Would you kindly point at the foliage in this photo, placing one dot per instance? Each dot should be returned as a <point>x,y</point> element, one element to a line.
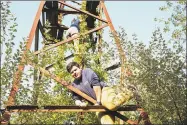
<point>158,73</point>
<point>9,56</point>
<point>176,22</point>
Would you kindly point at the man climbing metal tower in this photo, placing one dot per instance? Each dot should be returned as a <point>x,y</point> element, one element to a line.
<point>73,31</point>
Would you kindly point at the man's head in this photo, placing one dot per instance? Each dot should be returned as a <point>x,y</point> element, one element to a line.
<point>73,21</point>
<point>74,69</point>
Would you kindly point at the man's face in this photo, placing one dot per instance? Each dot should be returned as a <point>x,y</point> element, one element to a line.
<point>76,72</point>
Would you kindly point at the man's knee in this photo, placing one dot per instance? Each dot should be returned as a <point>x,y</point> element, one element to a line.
<point>105,117</point>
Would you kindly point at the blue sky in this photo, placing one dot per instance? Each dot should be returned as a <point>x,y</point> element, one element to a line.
<point>134,16</point>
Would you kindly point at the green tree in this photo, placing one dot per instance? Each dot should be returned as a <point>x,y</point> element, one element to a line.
<point>9,58</point>
<point>159,68</point>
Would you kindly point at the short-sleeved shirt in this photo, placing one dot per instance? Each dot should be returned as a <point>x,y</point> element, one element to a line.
<point>74,28</point>
<point>86,83</point>
<point>71,31</point>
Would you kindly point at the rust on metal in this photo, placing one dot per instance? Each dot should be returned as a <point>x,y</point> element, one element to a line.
<point>120,49</point>
<point>70,39</point>
<point>17,75</point>
<point>121,53</point>
<point>85,12</point>
<point>64,83</point>
<point>62,11</point>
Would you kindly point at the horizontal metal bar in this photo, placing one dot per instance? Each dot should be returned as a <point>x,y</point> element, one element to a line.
<point>97,17</point>
<point>112,67</point>
<point>61,11</point>
<point>28,108</point>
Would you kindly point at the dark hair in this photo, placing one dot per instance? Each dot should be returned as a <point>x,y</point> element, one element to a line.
<point>73,21</point>
<point>71,64</point>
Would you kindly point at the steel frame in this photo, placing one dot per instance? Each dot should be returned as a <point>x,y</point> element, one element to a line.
<point>35,30</point>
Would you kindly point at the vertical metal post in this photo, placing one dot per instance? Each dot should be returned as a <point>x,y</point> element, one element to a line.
<point>43,18</point>
<point>100,38</point>
<point>36,46</point>
<point>60,15</point>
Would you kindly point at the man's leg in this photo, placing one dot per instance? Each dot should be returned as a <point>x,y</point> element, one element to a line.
<point>112,100</point>
<point>105,118</point>
<point>76,44</point>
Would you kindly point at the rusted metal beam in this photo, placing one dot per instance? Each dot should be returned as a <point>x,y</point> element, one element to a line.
<point>85,12</point>
<point>62,11</point>
<point>18,73</point>
<point>117,40</point>
<point>27,108</point>
<point>121,53</point>
<point>64,83</point>
<point>70,39</point>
